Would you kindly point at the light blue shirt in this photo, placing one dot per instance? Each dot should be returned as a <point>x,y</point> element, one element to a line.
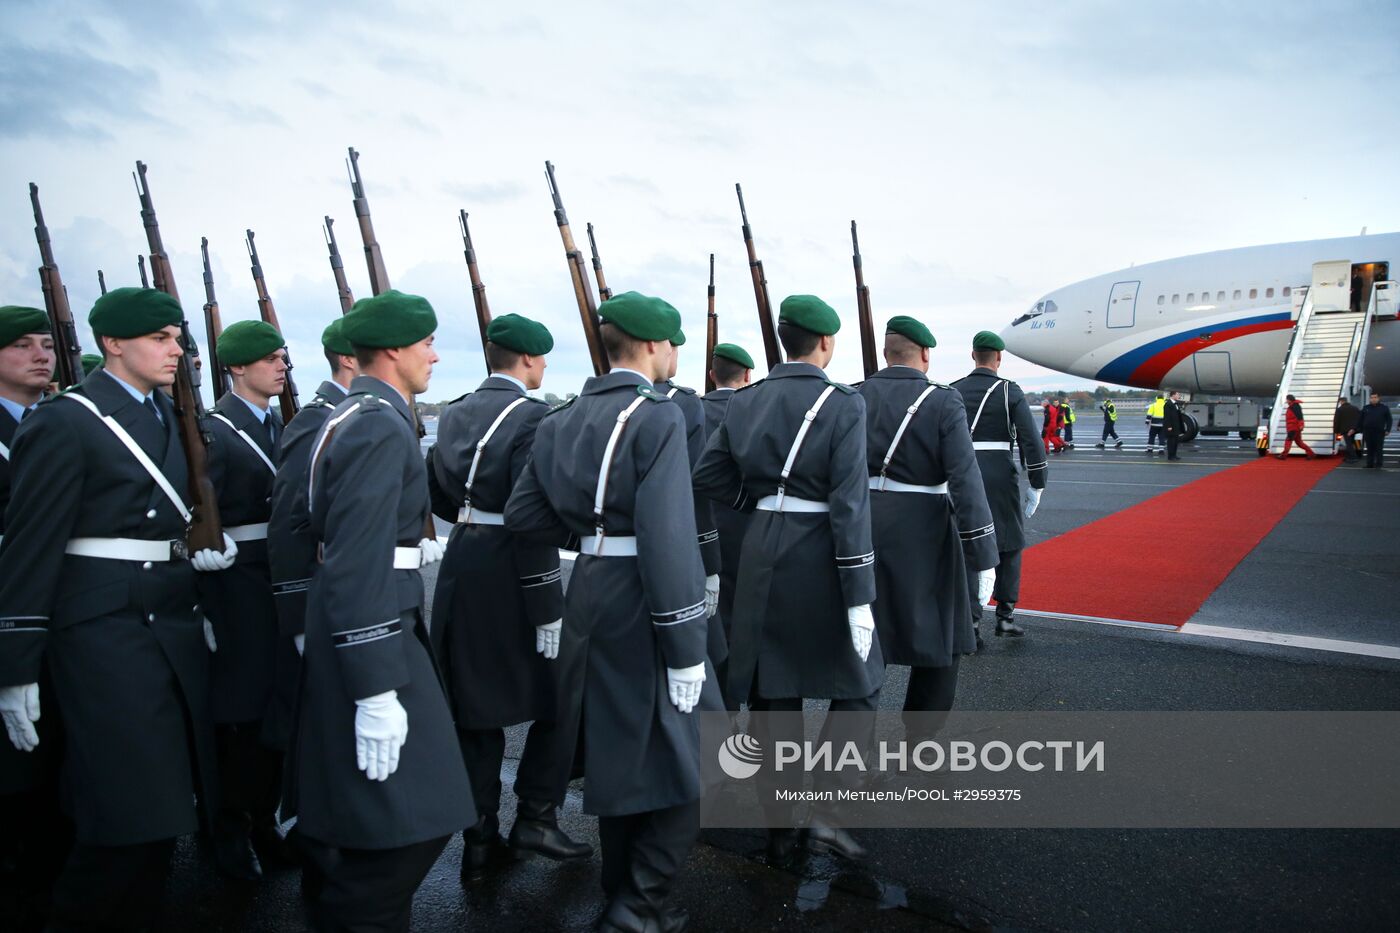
<point>624,369</point>
<point>15,409</point>
<point>133,391</point>
<point>510,378</point>
<point>259,413</point>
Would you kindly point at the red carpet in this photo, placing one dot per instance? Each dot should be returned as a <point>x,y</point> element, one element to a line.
<point>1161,559</point>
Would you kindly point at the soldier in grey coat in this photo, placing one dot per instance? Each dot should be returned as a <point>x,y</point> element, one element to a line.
<point>238,602</point>
<point>791,449</point>
<point>499,604</point>
<point>929,517</point>
<point>375,804</point>
<point>1002,424</point>
<point>731,368</point>
<point>611,469</point>
<point>95,584</point>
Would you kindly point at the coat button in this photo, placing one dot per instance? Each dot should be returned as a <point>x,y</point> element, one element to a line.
<point>146,565</point>
<point>151,617</point>
<point>151,513</point>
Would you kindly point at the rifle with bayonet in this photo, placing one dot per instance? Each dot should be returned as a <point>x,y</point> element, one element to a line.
<point>213,324</point>
<point>604,293</point>
<point>68,362</point>
<point>287,401</point>
<point>378,274</point>
<point>483,310</point>
<point>863,316</point>
<point>141,268</point>
<point>101,282</point>
<point>342,286</point>
<point>583,292</point>
<point>711,331</point>
<point>771,350</point>
<point>206,530</point>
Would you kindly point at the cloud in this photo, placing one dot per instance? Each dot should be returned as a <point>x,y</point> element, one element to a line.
<point>487,192</point>
<point>68,94</point>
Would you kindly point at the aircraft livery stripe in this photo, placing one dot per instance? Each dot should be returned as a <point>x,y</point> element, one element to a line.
<point>1149,364</point>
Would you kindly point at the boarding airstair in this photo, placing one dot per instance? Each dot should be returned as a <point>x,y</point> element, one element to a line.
<point>1326,358</point>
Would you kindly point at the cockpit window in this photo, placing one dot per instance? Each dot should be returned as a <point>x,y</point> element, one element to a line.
<point>1041,307</point>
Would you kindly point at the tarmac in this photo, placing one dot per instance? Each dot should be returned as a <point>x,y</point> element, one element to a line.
<point>1328,570</point>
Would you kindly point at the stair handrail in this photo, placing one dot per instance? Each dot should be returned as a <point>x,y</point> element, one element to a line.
<point>1357,386</point>
<point>1289,365</point>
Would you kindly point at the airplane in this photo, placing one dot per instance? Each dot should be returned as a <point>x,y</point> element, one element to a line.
<point>1216,322</point>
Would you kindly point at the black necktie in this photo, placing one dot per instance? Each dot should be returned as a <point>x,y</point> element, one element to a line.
<point>270,430</point>
<point>150,404</point>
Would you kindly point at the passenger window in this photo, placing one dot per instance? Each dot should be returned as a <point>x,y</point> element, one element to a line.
<point>1287,290</point>
<point>1190,298</point>
<point>1161,299</point>
<point>1268,293</point>
<point>1254,293</point>
<point>1237,295</point>
<point>1219,296</point>
<point>1176,299</point>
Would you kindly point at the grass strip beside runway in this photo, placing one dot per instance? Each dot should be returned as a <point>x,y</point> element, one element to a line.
<point>1161,559</point>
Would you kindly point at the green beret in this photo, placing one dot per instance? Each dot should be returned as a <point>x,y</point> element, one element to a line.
<point>16,321</point>
<point>641,317</point>
<point>244,342</point>
<point>520,334</point>
<point>389,319</point>
<point>986,340</point>
<point>678,338</point>
<point>809,313</point>
<point>133,312</point>
<point>90,362</point>
<point>334,340</point>
<point>906,326</point>
<point>732,351</point>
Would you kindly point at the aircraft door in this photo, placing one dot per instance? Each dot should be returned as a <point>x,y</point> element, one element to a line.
<point>1122,304</point>
<point>1213,371</point>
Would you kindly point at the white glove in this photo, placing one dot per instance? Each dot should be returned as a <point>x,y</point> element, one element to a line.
<point>862,623</point>
<point>986,579</point>
<point>711,595</point>
<point>684,684</point>
<point>300,642</point>
<point>1030,500</point>
<point>20,707</point>
<point>209,637</point>
<point>381,729</point>
<point>432,550</point>
<point>547,639</point>
<point>209,560</point>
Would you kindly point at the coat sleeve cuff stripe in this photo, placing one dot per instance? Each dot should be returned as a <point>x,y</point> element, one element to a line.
<point>678,615</point>
<point>369,633</point>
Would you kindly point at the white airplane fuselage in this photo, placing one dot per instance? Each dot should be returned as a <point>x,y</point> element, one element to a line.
<point>1215,322</point>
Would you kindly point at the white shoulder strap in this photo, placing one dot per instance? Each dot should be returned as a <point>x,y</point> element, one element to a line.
<point>4,452</point>
<point>904,426</point>
<point>130,443</point>
<point>608,453</point>
<point>481,445</point>
<point>247,440</point>
<point>672,393</point>
<point>321,444</point>
<point>972,428</point>
<point>806,426</point>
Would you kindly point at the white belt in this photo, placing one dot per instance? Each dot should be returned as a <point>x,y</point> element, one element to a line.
<point>885,484</point>
<point>256,532</point>
<point>992,445</point>
<point>619,546</point>
<point>471,516</point>
<point>127,549</point>
<point>791,504</point>
<point>408,558</point>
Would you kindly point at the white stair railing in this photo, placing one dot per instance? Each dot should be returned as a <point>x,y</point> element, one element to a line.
<point>1277,418</point>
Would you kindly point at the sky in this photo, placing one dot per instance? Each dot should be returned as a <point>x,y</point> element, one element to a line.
<point>990,152</point>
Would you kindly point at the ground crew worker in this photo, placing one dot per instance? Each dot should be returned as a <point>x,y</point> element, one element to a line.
<point>1001,422</point>
<point>1110,423</point>
<point>1293,423</point>
<point>1067,419</point>
<point>611,469</point>
<point>1051,428</point>
<point>499,604</point>
<point>94,581</point>
<point>374,807</point>
<point>927,507</point>
<point>792,447</point>
<point>238,602</point>
<point>706,533</point>
<point>1344,428</point>
<point>1155,412</point>
<point>1173,424</point>
<point>731,368</point>
<point>35,833</point>
<point>1373,425</point>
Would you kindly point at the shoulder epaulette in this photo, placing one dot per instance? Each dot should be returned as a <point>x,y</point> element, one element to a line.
<point>751,385</point>
<point>840,386</point>
<point>939,385</point>
<point>537,401</point>
<point>680,388</point>
<point>459,398</point>
<point>562,405</point>
<point>649,393</point>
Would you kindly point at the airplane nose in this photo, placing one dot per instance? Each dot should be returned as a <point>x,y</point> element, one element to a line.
<point>1012,338</point>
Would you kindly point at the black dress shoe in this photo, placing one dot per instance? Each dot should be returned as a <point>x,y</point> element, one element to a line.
<point>822,837</point>
<point>272,848</point>
<point>536,832</point>
<point>1008,629</point>
<point>233,850</point>
<point>483,850</point>
<point>977,633</point>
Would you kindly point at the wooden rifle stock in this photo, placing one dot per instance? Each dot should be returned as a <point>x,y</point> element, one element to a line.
<point>583,290</point>
<point>206,530</point>
<point>287,400</point>
<point>711,331</point>
<point>863,315</point>
<point>342,286</point>
<point>771,349</point>
<point>483,309</point>
<point>604,293</point>
<point>213,325</point>
<point>68,355</point>
<point>378,275</point>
